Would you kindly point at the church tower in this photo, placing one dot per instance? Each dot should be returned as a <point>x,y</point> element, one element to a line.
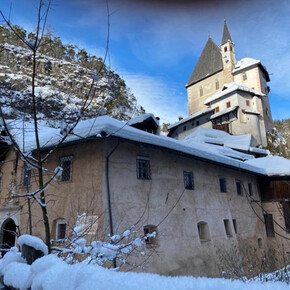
<point>228,54</point>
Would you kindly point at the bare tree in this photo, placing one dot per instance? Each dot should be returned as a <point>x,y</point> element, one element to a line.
<point>37,159</point>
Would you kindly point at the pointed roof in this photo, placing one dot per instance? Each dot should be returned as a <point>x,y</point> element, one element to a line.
<point>226,34</point>
<point>209,62</point>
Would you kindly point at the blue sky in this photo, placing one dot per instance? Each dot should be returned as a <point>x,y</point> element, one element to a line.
<point>154,44</point>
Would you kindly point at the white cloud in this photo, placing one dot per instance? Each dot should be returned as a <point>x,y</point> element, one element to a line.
<point>157,96</point>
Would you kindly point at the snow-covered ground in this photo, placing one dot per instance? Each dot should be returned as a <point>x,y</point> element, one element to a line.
<point>51,272</point>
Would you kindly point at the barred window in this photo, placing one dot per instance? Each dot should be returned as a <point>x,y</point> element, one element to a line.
<point>66,165</point>
<point>188,180</point>
<point>143,168</point>
<point>60,229</point>
<point>26,176</point>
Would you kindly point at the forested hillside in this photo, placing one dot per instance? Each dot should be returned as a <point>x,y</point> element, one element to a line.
<point>64,74</point>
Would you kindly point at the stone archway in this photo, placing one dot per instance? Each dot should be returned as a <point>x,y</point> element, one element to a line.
<point>8,230</point>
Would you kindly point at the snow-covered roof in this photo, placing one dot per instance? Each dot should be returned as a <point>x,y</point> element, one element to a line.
<point>92,128</point>
<point>248,62</point>
<point>249,111</point>
<point>223,112</point>
<point>142,118</point>
<point>221,138</point>
<point>192,116</point>
<point>230,88</point>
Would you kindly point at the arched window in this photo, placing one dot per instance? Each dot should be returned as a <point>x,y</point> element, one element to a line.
<point>231,48</point>
<point>244,76</point>
<point>201,91</point>
<point>203,231</point>
<point>217,84</point>
<point>225,49</point>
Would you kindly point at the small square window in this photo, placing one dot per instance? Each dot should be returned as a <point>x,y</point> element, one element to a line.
<point>188,180</point>
<point>248,103</point>
<point>66,165</point>
<point>143,168</point>
<point>239,187</point>
<point>60,229</point>
<point>223,184</point>
<point>26,176</point>
<point>217,109</point>
<point>228,104</point>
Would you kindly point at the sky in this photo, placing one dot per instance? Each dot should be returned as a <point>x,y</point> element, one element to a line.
<point>155,44</point>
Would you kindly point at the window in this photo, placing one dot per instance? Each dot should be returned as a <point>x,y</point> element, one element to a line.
<point>244,76</point>
<point>26,176</point>
<point>217,109</point>
<point>201,91</point>
<point>228,228</point>
<point>143,168</point>
<point>235,225</point>
<point>66,165</point>
<point>150,229</point>
<point>184,128</point>
<point>60,229</point>
<point>269,225</point>
<point>225,49</point>
<point>217,84</point>
<point>250,189</point>
<point>228,104</point>
<point>203,231</point>
<point>188,180</point>
<point>248,103</point>
<point>231,48</point>
<point>223,184</point>
<point>197,123</point>
<point>239,187</point>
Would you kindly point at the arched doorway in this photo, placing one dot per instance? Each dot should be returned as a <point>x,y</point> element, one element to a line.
<point>8,230</point>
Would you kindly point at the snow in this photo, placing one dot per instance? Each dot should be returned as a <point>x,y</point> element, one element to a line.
<point>192,116</point>
<point>33,242</point>
<point>223,112</point>
<point>51,272</point>
<point>92,127</point>
<point>142,118</point>
<point>247,62</point>
<point>272,164</point>
<point>230,88</point>
<point>249,111</point>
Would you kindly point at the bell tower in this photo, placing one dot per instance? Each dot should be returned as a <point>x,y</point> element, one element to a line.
<point>228,54</point>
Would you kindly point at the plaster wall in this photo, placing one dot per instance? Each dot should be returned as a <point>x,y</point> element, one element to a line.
<point>195,101</point>
<point>163,201</point>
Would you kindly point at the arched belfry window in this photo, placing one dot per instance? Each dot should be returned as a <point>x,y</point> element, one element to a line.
<point>244,76</point>
<point>225,49</point>
<point>201,91</point>
<point>231,48</point>
<point>217,84</point>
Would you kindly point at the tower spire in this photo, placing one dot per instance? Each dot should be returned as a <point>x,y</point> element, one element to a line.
<point>226,33</point>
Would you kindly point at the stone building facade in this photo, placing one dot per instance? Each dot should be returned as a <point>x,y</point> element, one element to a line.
<point>222,83</point>
<point>204,206</point>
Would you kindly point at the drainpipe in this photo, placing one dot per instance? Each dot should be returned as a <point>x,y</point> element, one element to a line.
<point>109,194</point>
